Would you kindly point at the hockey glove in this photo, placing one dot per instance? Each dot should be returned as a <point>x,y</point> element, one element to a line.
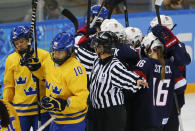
<point>53,104</point>
<point>165,35</point>
<point>26,58</point>
<point>33,64</point>
<point>84,40</point>
<point>83,31</point>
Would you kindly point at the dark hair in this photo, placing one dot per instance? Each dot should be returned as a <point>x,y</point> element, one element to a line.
<point>4,115</point>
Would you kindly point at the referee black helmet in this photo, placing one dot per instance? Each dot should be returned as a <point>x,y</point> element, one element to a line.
<point>107,39</point>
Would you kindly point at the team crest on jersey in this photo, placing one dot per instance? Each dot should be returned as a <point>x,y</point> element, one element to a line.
<point>30,91</point>
<point>56,90</point>
<point>165,120</point>
<point>47,85</point>
<point>20,81</point>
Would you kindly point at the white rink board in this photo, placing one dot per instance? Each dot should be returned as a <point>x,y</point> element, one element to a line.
<point>188,113</point>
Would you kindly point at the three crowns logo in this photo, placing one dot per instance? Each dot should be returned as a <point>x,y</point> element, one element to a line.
<point>30,91</point>
<point>56,90</point>
<point>21,81</point>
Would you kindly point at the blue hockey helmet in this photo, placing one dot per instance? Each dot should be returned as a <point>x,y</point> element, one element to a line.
<point>62,42</point>
<point>103,13</point>
<point>19,32</point>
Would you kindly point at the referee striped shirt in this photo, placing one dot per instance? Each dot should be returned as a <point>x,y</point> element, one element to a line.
<point>107,78</point>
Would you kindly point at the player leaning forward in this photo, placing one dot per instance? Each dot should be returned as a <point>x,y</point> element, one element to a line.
<point>66,79</point>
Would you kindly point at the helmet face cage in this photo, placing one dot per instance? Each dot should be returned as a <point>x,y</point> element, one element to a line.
<point>134,43</point>
<point>133,36</point>
<point>62,42</point>
<point>19,32</point>
<point>107,39</point>
<point>150,42</point>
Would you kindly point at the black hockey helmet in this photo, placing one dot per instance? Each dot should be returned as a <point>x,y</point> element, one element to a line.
<point>106,38</point>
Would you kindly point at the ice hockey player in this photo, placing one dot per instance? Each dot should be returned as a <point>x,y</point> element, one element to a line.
<point>66,85</point>
<point>20,86</point>
<point>81,34</point>
<point>154,105</point>
<point>176,51</point>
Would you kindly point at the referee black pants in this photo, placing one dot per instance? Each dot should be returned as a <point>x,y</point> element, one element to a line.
<point>109,119</point>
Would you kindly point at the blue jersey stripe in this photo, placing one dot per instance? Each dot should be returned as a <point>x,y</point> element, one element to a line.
<point>74,118</point>
<point>24,105</point>
<point>58,114</point>
<point>26,111</point>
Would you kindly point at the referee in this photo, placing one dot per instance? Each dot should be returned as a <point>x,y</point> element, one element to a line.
<point>107,78</point>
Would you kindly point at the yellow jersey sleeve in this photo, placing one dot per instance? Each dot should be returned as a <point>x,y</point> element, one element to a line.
<point>9,72</point>
<point>77,84</point>
<point>9,82</point>
<point>8,94</point>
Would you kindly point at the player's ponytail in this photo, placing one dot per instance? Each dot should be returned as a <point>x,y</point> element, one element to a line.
<point>4,115</point>
<point>162,61</point>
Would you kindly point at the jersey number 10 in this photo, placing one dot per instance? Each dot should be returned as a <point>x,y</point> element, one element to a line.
<point>78,71</point>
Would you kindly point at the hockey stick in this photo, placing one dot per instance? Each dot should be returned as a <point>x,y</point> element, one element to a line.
<point>46,123</point>
<point>112,6</point>
<point>33,33</point>
<point>71,17</point>
<point>96,17</point>
<point>179,113</point>
<point>110,11</point>
<point>88,17</point>
<point>126,13</point>
<point>158,3</point>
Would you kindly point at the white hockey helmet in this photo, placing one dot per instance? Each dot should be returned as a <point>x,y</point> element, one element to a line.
<point>114,26</point>
<point>165,21</point>
<point>150,42</point>
<point>133,36</point>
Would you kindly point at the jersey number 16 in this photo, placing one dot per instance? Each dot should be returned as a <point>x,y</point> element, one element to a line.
<point>162,94</point>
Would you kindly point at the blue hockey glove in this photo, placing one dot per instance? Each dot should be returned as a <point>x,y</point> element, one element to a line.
<point>53,104</point>
<point>165,35</point>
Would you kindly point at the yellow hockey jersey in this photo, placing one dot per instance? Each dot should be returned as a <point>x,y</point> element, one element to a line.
<point>67,81</point>
<point>14,120</point>
<point>23,93</point>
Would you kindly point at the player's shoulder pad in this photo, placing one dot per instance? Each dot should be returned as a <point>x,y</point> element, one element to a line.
<point>13,57</point>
